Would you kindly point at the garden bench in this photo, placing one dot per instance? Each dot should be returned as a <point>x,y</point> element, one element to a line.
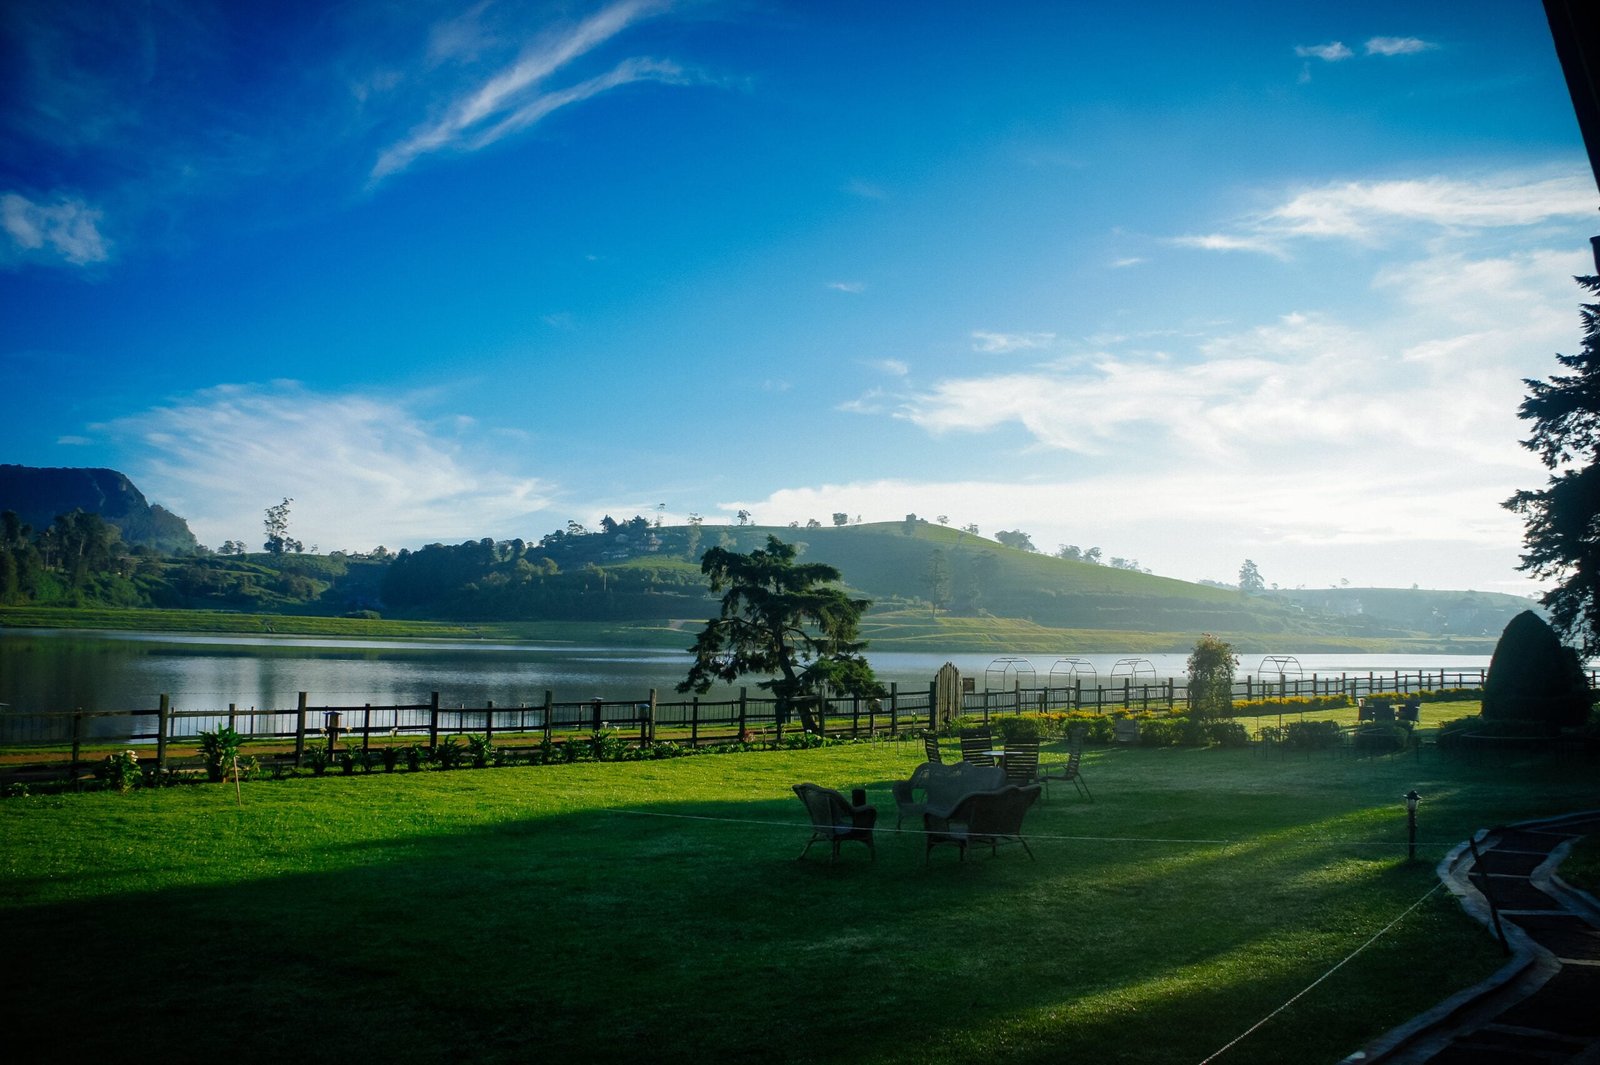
<point>943,786</point>
<point>1126,730</point>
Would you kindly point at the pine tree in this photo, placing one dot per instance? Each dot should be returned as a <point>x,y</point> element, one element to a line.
<point>1562,536</point>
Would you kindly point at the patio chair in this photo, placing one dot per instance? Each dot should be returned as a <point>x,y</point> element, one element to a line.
<point>1070,770</point>
<point>986,818</point>
<point>836,820</point>
<point>930,743</point>
<point>975,746</point>
<point>1022,762</point>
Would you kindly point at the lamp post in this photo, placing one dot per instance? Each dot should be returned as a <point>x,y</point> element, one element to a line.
<point>1412,798</point>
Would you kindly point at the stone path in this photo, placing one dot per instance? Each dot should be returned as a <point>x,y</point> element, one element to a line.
<point>1543,1005</point>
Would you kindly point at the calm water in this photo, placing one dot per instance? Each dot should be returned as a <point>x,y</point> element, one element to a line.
<point>44,670</point>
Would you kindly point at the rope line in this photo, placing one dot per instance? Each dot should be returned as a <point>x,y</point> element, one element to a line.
<point>1309,987</point>
<point>798,825</point>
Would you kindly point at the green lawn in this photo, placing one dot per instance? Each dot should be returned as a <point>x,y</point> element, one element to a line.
<point>654,911</point>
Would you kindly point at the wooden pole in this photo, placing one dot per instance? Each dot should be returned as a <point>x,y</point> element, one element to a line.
<point>433,721</point>
<point>77,742</point>
<point>163,715</point>
<point>300,731</point>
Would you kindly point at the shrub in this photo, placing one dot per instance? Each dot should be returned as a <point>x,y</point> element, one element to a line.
<point>120,770</point>
<point>218,750</point>
<point>1532,677</point>
<point>1312,735</point>
<point>317,759</point>
<point>417,756</point>
<point>1023,728</point>
<point>1227,734</point>
<point>448,754</point>
<point>605,745</point>
<point>1378,738</point>
<point>391,757</point>
<point>479,750</point>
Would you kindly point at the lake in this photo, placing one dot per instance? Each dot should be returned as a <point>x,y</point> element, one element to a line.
<point>46,670</point>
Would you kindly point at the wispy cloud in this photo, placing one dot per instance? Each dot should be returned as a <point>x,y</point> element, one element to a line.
<point>1004,343</point>
<point>362,469</point>
<point>893,367</point>
<point>513,98</point>
<point>1331,52</point>
<point>852,287</point>
<point>1386,212</point>
<point>1387,46</point>
<point>63,230</point>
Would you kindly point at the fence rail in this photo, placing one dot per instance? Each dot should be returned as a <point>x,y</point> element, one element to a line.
<point>54,742</point>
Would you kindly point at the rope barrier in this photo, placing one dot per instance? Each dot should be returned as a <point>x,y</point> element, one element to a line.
<point>800,826</point>
<point>1309,987</point>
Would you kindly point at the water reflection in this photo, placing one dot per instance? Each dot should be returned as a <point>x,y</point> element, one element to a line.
<point>52,670</point>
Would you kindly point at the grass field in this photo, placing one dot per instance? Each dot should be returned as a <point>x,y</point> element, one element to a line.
<point>624,912</point>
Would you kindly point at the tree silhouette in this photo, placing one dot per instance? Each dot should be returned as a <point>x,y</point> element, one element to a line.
<point>1562,535</point>
<point>784,618</point>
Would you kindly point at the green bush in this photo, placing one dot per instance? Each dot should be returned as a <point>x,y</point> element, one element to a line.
<point>479,750</point>
<point>1023,728</point>
<point>448,753</point>
<point>1312,735</point>
<point>120,771</point>
<point>1532,677</point>
<point>218,750</point>
<point>1379,738</point>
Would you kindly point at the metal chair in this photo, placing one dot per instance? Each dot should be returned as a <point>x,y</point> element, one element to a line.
<point>836,820</point>
<point>1071,770</point>
<point>930,743</point>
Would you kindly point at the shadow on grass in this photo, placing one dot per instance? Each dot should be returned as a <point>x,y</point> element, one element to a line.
<point>677,931</point>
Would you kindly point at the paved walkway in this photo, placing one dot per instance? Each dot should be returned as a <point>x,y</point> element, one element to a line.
<point>1543,1005</point>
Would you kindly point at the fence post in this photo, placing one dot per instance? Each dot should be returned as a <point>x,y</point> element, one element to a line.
<point>300,730</point>
<point>366,729</point>
<point>232,713</point>
<point>694,722</point>
<point>77,741</point>
<point>743,706</point>
<point>433,721</point>
<point>855,717</point>
<point>894,708</point>
<point>488,720</point>
<point>549,712</point>
<point>648,729</point>
<point>1171,694</point>
<point>163,716</point>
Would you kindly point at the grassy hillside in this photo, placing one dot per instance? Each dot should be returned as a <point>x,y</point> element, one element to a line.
<point>894,563</point>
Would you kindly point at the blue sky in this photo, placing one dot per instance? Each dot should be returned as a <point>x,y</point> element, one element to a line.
<point>1190,283</point>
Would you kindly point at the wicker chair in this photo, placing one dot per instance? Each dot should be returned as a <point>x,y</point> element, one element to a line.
<point>1022,762</point>
<point>986,818</point>
<point>1070,770</point>
<point>835,820</point>
<point>941,787</point>
<point>975,746</point>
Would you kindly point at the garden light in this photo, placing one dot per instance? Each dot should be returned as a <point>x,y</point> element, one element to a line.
<point>1412,798</point>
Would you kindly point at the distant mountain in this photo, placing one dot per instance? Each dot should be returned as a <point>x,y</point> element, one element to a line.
<point>40,494</point>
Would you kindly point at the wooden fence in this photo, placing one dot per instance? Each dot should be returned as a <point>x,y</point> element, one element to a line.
<point>55,743</point>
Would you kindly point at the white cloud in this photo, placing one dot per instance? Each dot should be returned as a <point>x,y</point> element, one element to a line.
<point>1333,51</point>
<point>362,469</point>
<point>1394,212</point>
<point>512,99</point>
<point>893,367</point>
<point>67,229</point>
<point>1005,343</point>
<point>1132,260</point>
<point>1387,46</point>
<point>852,287</point>
<point>1375,444</point>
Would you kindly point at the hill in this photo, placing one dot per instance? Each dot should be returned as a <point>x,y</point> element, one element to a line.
<point>38,495</point>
